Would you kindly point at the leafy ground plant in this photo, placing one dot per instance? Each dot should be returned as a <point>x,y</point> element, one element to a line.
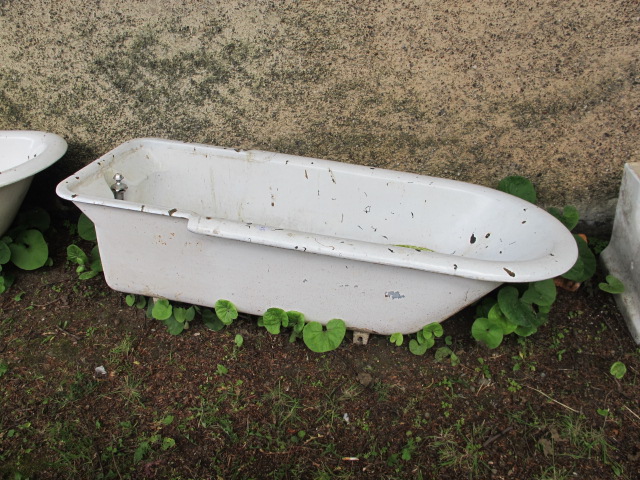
<point>24,245</point>
<point>523,308</point>
<point>317,337</point>
<point>89,264</point>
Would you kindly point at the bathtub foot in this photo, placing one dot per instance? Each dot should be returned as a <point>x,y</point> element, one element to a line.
<point>360,338</point>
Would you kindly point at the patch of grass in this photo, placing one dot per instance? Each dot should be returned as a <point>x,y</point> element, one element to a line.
<point>568,436</point>
<point>129,390</point>
<point>460,449</point>
<point>80,387</point>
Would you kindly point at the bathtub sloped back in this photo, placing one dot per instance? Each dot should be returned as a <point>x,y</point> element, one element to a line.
<point>317,229</point>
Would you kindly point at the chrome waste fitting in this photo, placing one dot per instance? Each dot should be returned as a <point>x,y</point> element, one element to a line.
<point>119,187</point>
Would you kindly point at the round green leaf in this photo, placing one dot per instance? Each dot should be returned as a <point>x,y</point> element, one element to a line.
<point>488,332</point>
<point>211,320</point>
<point>174,326</point>
<point>321,340</point>
<point>526,331</point>
<point>273,318</point>
<point>618,370</point>
<point>87,275</point>
<point>613,285</point>
<point>168,443</point>
<point>130,300</point>
<point>418,347</point>
<point>585,266</point>
<point>162,309</point>
<point>180,314</point>
<point>86,228</point>
<point>76,255</point>
<point>569,216</point>
<point>442,353</point>
<point>226,311</point>
<point>495,315</point>
<point>519,186</point>
<point>29,250</point>
<point>6,280</point>
<point>296,320</point>
<point>397,339</point>
<point>514,309</point>
<point>434,328</point>
<point>5,253</point>
<point>141,301</point>
<point>542,293</point>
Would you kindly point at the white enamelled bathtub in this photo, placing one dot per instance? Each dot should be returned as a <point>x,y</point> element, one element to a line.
<point>23,153</point>
<point>385,251</point>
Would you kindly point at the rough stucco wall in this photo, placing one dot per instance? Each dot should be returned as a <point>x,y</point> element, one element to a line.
<point>470,90</point>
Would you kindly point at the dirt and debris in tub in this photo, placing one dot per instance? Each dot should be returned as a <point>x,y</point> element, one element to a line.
<point>160,405</point>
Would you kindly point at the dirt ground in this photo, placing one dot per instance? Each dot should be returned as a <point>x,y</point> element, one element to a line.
<point>199,406</point>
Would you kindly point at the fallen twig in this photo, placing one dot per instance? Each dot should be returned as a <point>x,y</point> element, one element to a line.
<point>498,435</point>
<point>66,332</point>
<point>553,400</point>
<point>632,412</point>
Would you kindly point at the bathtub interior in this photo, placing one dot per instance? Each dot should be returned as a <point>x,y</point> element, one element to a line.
<point>326,198</point>
<point>18,150</point>
<point>25,153</point>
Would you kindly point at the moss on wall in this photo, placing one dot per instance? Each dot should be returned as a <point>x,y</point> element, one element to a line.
<point>471,91</point>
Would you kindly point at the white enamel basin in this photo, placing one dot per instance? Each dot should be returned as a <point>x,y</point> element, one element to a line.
<point>22,155</point>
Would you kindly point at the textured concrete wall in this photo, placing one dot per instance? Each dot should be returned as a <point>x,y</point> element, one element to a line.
<point>472,90</point>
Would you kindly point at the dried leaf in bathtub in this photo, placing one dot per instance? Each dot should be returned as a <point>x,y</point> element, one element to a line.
<point>226,311</point>
<point>488,332</point>
<point>321,340</point>
<point>162,309</point>
<point>86,228</point>
<point>273,319</point>
<point>29,250</point>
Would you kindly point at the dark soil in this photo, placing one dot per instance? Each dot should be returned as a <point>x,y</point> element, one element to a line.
<point>198,406</point>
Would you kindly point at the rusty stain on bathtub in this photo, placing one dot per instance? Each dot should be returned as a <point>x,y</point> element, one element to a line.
<point>511,274</point>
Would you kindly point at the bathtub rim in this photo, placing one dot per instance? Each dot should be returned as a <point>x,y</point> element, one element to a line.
<point>565,251</point>
<point>56,147</point>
